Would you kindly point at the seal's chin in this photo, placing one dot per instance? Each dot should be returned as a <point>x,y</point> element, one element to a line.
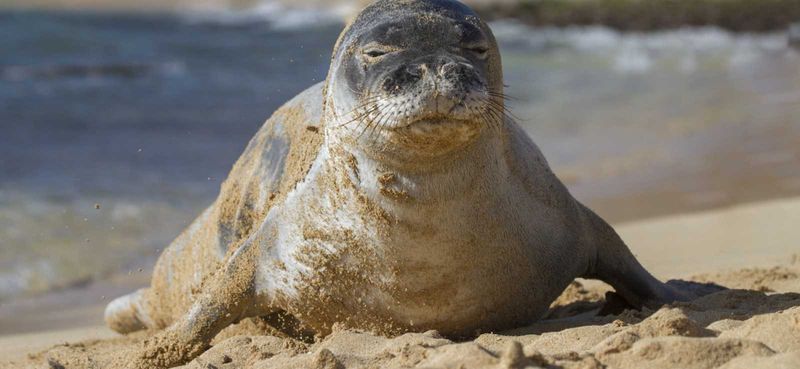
<point>430,137</point>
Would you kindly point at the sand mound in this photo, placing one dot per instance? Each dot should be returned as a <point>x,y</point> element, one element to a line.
<point>730,329</point>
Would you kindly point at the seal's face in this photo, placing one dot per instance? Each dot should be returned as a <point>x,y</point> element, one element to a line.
<point>415,76</point>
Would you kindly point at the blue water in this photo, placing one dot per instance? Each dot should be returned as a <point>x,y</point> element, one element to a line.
<point>136,105</point>
<point>143,115</point>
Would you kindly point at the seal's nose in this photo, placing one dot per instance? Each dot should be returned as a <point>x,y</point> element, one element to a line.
<point>450,79</point>
<point>403,76</point>
<point>444,63</point>
<point>457,72</point>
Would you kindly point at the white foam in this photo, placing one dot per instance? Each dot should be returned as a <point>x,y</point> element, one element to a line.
<point>23,277</point>
<point>640,52</point>
<point>277,15</point>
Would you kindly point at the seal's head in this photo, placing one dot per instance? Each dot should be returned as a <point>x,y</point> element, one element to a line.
<point>414,79</point>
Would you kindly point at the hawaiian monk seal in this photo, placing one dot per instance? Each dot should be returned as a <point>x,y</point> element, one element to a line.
<point>396,197</point>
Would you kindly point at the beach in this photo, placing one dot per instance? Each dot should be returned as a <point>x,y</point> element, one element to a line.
<point>752,249</point>
<point>120,128</point>
<point>120,124</point>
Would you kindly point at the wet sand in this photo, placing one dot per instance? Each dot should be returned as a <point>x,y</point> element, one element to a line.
<point>67,309</point>
<point>727,167</point>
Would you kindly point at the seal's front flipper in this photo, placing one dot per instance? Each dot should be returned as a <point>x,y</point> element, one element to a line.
<point>226,298</point>
<point>128,313</point>
<point>615,264</point>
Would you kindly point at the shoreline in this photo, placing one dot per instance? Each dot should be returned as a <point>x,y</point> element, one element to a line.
<point>750,235</point>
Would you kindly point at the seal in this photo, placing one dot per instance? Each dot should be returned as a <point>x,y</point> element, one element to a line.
<point>397,196</point>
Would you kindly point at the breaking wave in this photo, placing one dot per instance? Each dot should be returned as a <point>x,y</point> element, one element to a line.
<point>277,15</point>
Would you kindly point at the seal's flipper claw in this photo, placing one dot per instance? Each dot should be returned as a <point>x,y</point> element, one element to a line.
<point>695,289</point>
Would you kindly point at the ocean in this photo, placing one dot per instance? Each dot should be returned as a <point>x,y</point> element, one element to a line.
<point>117,129</point>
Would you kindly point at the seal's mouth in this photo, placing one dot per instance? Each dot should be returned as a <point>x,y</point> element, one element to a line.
<point>423,114</point>
<point>430,121</point>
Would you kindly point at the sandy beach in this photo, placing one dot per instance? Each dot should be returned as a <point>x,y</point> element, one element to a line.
<point>751,249</point>
<point>686,140</point>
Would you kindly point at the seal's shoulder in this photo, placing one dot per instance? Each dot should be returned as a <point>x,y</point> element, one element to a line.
<point>275,160</point>
<point>298,125</point>
<point>529,166</point>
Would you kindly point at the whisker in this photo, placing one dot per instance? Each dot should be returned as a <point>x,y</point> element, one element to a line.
<point>382,121</point>
<point>364,116</point>
<point>355,118</point>
<point>494,114</point>
<point>502,95</point>
<point>365,124</point>
<point>497,111</point>
<point>370,122</point>
<point>503,108</point>
<point>369,105</point>
<point>488,115</point>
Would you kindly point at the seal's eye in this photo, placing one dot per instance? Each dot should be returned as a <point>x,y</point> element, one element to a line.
<point>374,52</point>
<point>479,51</point>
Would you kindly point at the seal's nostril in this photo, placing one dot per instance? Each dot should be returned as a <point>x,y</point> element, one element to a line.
<point>448,68</point>
<point>415,70</point>
<point>388,84</point>
<point>403,76</point>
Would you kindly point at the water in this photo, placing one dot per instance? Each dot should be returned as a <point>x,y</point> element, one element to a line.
<point>116,130</point>
<point>646,124</point>
<point>142,115</point>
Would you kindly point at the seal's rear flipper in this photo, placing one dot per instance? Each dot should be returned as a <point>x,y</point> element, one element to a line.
<point>615,264</point>
<point>126,314</point>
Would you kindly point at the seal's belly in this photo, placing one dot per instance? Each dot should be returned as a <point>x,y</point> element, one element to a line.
<point>354,257</point>
<point>452,280</point>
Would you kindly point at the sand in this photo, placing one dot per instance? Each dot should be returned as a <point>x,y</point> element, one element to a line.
<point>759,234</point>
<point>729,329</point>
<point>753,249</point>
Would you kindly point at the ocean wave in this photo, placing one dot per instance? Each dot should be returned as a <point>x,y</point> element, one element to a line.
<point>25,277</point>
<point>50,243</point>
<point>277,15</point>
<point>640,52</point>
